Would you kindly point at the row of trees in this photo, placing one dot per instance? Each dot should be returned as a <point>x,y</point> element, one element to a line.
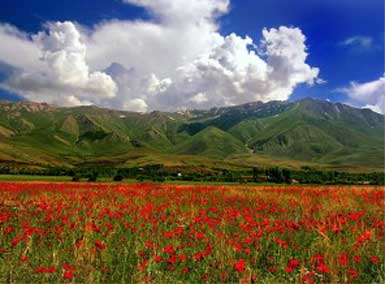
<point>159,173</point>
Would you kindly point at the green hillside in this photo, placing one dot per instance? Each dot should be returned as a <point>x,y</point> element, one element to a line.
<point>294,134</point>
<point>212,142</point>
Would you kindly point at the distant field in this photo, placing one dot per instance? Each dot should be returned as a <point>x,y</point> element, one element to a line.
<point>33,178</point>
<point>148,233</point>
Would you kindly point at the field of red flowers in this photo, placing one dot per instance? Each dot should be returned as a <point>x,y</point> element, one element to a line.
<point>100,233</point>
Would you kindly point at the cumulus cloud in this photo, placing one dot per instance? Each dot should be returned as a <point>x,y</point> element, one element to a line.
<point>62,75</point>
<point>233,72</point>
<point>368,95</point>
<point>176,60</point>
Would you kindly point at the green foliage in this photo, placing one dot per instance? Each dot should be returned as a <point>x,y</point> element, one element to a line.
<point>92,177</point>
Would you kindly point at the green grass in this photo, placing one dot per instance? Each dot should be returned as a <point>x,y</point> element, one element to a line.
<point>34,178</point>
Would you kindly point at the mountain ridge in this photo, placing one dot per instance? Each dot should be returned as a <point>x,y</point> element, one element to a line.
<point>304,132</point>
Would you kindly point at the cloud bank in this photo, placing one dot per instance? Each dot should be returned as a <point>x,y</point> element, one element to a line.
<point>178,60</point>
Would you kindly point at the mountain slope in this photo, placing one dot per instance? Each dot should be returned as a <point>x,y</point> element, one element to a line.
<point>298,133</point>
<point>212,142</point>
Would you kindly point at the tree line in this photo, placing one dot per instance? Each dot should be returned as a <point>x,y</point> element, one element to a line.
<point>160,173</point>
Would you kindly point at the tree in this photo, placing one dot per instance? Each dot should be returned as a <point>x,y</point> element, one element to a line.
<point>93,176</point>
<point>75,178</point>
<point>118,178</point>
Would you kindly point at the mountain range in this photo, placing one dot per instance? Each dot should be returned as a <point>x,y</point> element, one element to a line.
<point>308,132</point>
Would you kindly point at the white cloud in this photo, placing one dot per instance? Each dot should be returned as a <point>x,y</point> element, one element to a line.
<point>363,42</point>
<point>368,95</point>
<point>17,50</point>
<point>177,60</point>
<point>199,98</point>
<point>232,73</point>
<point>61,75</point>
<point>137,105</point>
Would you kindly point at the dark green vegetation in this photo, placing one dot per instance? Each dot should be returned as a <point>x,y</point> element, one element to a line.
<point>160,174</point>
<point>310,133</point>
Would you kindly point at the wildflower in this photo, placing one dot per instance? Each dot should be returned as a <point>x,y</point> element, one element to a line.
<point>67,266</point>
<point>323,268</point>
<point>143,265</point>
<point>308,278</point>
<point>198,256</point>
<point>240,266</point>
<point>100,245</point>
<point>169,249</point>
<point>68,274</point>
<point>356,216</point>
<point>336,229</point>
<point>8,230</point>
<point>15,241</point>
<point>353,273</point>
<point>293,262</point>
<point>158,258</point>
<point>50,269</point>
<point>343,259</point>
<point>183,257</point>
<point>374,259</point>
<point>200,236</point>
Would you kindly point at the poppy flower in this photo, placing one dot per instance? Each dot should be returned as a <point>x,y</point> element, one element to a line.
<point>169,249</point>
<point>343,259</point>
<point>374,259</point>
<point>100,245</point>
<point>353,273</point>
<point>67,266</point>
<point>68,274</point>
<point>293,262</point>
<point>240,266</point>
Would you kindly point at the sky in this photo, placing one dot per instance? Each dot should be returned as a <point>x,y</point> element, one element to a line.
<point>144,55</point>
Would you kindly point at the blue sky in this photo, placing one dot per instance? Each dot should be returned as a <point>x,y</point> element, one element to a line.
<point>345,38</point>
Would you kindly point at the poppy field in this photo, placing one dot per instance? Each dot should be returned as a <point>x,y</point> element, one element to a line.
<point>146,233</point>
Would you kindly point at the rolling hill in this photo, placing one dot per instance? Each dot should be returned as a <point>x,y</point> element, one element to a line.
<point>306,132</point>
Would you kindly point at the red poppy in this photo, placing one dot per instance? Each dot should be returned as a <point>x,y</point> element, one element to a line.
<point>240,266</point>
<point>353,273</point>
<point>169,249</point>
<point>343,259</point>
<point>374,259</point>
<point>100,245</point>
<point>67,266</point>
<point>68,274</point>
<point>293,262</point>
